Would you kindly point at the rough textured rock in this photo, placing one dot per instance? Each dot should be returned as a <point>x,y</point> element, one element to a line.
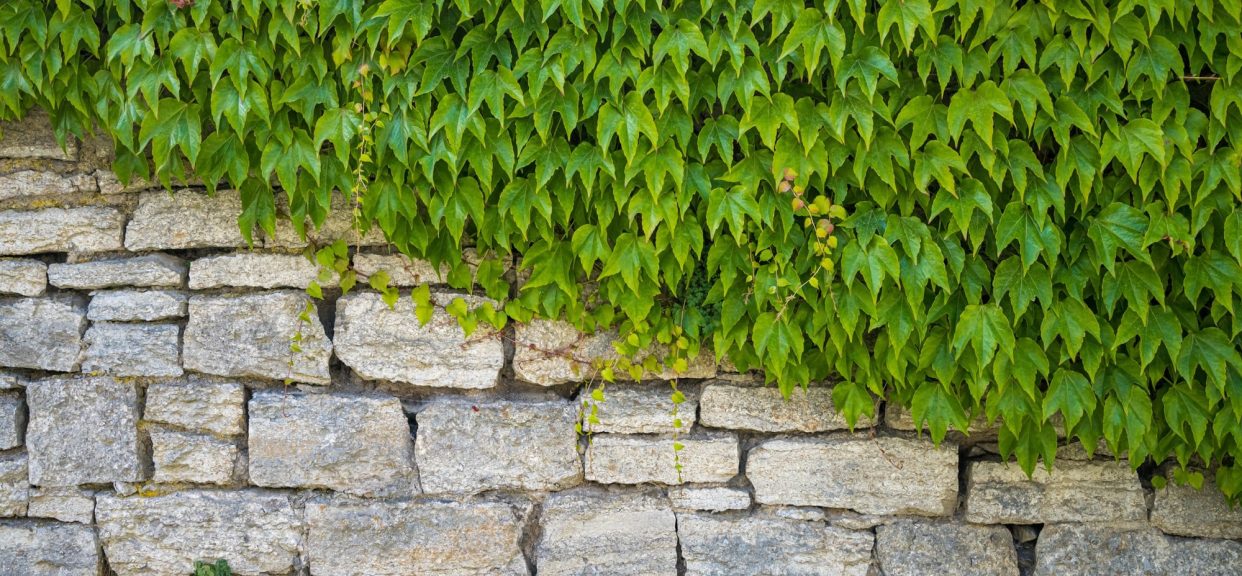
<point>34,137</point>
<point>10,381</point>
<point>193,458</point>
<point>898,418</point>
<point>88,229</point>
<point>22,276</point>
<point>137,305</point>
<point>155,270</point>
<point>645,409</point>
<point>389,344</point>
<point>1185,511</point>
<point>352,444</point>
<point>590,531</point>
<point>253,270</point>
<point>185,219</point>
<point>64,504</point>
<point>12,420</point>
<point>715,545</point>
<point>83,430</point>
<point>369,538</point>
<point>33,548</point>
<point>713,499</point>
<point>33,183</point>
<point>552,352</point>
<point>468,448</point>
<point>1076,491</point>
<point>338,225</point>
<point>250,336</point>
<point>918,547</point>
<point>764,409</point>
<point>198,406</point>
<point>882,475</point>
<point>621,459</point>
<point>1096,550</point>
<point>133,349</point>
<point>402,271</point>
<point>258,532</point>
<point>14,487</point>
<point>42,333</point>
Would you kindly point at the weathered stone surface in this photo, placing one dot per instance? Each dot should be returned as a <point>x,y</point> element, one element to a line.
<point>552,352</point>
<point>31,548</point>
<point>89,229</point>
<point>715,545</point>
<point>250,335</point>
<point>898,418</point>
<point>1076,491</point>
<point>590,531</point>
<point>185,219</point>
<point>133,349</point>
<point>762,408</point>
<point>137,305</point>
<point>918,547</point>
<point>64,504</point>
<point>42,333</point>
<point>714,499</point>
<point>389,344</point>
<point>622,459</point>
<point>353,444</point>
<point>10,381</point>
<point>34,137</point>
<point>253,270</point>
<point>468,448</point>
<point>402,271</point>
<point>1185,511</point>
<point>33,183</point>
<point>368,538</point>
<point>193,458</point>
<point>257,532</point>
<point>12,420</point>
<point>14,487</point>
<point>213,407</point>
<point>155,270</point>
<point>645,409</point>
<point>884,475</point>
<point>338,225</point>
<point>22,276</point>
<point>83,430</point>
<point>1098,550</point>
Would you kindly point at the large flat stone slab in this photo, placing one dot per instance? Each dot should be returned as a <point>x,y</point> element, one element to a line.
<point>194,458</point>
<point>1185,511</point>
<point>34,137</point>
<point>639,459</point>
<point>42,333</point>
<point>916,547</point>
<point>764,409</point>
<point>155,270</point>
<point>36,183</point>
<point>552,352</point>
<point>727,545</point>
<point>84,430</point>
<point>185,219</point>
<point>141,350</point>
<point>645,409</point>
<point>40,548</point>
<point>590,531</point>
<point>1098,550</point>
<point>1075,491</point>
<point>64,504</point>
<point>88,229</point>
<point>254,270</point>
<point>250,336</point>
<point>198,406</point>
<point>137,305</point>
<point>22,276</point>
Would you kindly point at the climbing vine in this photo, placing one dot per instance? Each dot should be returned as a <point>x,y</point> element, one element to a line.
<point>1021,210</point>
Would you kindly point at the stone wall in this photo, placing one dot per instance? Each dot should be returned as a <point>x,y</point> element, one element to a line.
<point>145,422</point>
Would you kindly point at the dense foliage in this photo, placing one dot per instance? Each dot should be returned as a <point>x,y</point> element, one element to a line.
<point>1022,210</point>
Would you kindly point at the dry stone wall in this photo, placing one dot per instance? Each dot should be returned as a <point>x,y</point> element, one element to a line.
<point>152,414</point>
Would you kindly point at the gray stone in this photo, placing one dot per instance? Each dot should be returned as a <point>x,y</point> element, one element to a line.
<point>14,486</point>
<point>250,336</point>
<point>898,418</point>
<point>918,547</point>
<point>185,219</point>
<point>137,305</point>
<point>42,333</point>
<point>109,183</point>
<point>338,225</point>
<point>64,504</point>
<point>1100,550</point>
<point>622,459</point>
<point>369,538</point>
<point>155,270</point>
<point>884,475</point>
<point>23,276</point>
<point>552,352</point>
<point>12,420</point>
<point>257,532</point>
<point>213,407</point>
<point>253,270</point>
<point>800,513</point>
<point>764,409</point>
<point>29,548</point>
<point>402,271</point>
<point>1075,491</point>
<point>87,229</point>
<point>714,545</point>
<point>466,449</point>
<point>352,444</point>
<point>713,499</point>
<point>84,430</point>
<point>34,137</point>
<point>1185,511</point>
<point>389,344</point>
<point>34,183</point>
<point>133,349</point>
<point>645,409</point>
<point>589,531</point>
<point>193,458</point>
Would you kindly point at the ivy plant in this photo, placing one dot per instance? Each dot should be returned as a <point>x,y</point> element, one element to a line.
<point>1022,211</point>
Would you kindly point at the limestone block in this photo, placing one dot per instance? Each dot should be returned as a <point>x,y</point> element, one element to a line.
<point>1185,511</point>
<point>254,270</point>
<point>198,406</point>
<point>137,305</point>
<point>645,409</point>
<point>591,531</point>
<point>552,352</point>
<point>715,545</point>
<point>917,547</point>
<point>149,350</point>
<point>1075,491</point>
<point>623,459</point>
<point>12,420</point>
<point>86,229</point>
<point>1100,550</point>
<point>185,219</point>
<point>194,458</point>
<point>34,137</point>
<point>14,486</point>
<point>64,504</point>
<point>22,276</point>
<point>250,336</point>
<point>155,270</point>
<point>42,333</point>
<point>31,548</point>
<point>712,499</point>
<point>35,183</point>
<point>84,430</point>
<point>764,409</point>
